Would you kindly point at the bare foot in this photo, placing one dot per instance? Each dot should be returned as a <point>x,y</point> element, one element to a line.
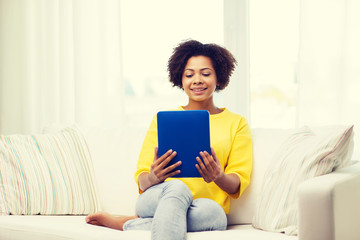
<point>108,220</point>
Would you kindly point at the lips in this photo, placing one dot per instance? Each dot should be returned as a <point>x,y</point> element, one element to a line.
<point>198,90</point>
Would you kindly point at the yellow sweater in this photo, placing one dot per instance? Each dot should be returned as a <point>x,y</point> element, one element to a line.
<point>231,139</point>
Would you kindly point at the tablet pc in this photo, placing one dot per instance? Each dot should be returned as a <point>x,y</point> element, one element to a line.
<point>186,132</point>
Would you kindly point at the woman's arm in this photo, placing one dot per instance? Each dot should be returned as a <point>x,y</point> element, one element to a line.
<point>158,173</point>
<point>210,169</point>
<point>230,183</point>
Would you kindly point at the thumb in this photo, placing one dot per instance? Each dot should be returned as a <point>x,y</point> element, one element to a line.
<point>156,152</point>
<point>213,154</point>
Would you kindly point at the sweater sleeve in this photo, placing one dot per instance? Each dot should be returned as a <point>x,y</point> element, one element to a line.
<point>146,156</point>
<point>240,157</point>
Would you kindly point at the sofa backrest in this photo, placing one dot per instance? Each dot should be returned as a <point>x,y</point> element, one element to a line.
<point>115,153</point>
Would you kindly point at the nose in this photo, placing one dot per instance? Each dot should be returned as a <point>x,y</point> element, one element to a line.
<point>197,79</point>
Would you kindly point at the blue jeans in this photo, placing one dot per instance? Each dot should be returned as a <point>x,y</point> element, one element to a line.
<point>168,210</point>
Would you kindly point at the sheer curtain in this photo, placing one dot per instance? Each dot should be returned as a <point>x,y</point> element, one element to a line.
<point>59,62</point>
<point>329,63</point>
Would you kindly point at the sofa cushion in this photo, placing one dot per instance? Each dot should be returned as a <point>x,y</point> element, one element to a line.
<point>46,174</point>
<point>265,143</point>
<point>75,228</point>
<point>304,154</point>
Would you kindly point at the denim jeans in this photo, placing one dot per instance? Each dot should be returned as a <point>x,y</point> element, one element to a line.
<point>168,211</point>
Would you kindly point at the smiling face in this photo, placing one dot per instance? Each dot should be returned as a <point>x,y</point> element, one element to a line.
<point>199,79</point>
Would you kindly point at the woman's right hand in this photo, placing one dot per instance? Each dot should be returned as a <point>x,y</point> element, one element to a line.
<point>158,170</point>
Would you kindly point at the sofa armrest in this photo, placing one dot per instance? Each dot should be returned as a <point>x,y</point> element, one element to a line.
<point>329,206</point>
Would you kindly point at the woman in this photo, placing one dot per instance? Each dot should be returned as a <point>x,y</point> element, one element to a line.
<point>170,207</point>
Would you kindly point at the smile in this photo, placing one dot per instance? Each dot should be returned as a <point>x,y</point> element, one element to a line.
<point>198,89</point>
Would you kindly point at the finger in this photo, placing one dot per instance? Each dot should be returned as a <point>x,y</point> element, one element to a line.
<point>207,160</point>
<point>214,155</point>
<point>168,156</point>
<point>160,159</point>
<point>169,171</point>
<point>172,174</point>
<point>201,165</point>
<point>172,167</point>
<point>203,175</point>
<point>199,170</point>
<point>156,166</point>
<point>213,162</point>
<point>162,169</point>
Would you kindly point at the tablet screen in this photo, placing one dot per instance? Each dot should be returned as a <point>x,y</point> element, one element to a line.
<point>187,133</point>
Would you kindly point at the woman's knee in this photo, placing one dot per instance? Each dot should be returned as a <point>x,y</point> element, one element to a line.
<point>206,215</point>
<point>177,189</point>
<point>147,202</point>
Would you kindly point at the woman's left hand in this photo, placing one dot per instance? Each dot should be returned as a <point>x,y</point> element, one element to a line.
<point>209,168</point>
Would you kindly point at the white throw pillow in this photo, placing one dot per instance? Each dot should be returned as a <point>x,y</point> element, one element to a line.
<point>265,143</point>
<point>46,174</point>
<point>303,155</point>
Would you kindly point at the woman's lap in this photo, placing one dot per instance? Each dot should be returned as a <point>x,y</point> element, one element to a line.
<point>202,215</point>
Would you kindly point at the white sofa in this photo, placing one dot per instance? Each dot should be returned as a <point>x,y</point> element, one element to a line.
<point>329,205</point>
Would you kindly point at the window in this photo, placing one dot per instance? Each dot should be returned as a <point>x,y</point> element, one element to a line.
<point>150,31</point>
<point>274,34</point>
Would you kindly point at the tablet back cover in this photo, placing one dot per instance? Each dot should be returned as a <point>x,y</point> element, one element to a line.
<point>187,133</point>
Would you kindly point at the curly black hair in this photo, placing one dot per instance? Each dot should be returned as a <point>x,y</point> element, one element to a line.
<point>222,60</point>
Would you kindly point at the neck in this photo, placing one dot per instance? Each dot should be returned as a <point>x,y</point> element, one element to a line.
<point>209,106</point>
